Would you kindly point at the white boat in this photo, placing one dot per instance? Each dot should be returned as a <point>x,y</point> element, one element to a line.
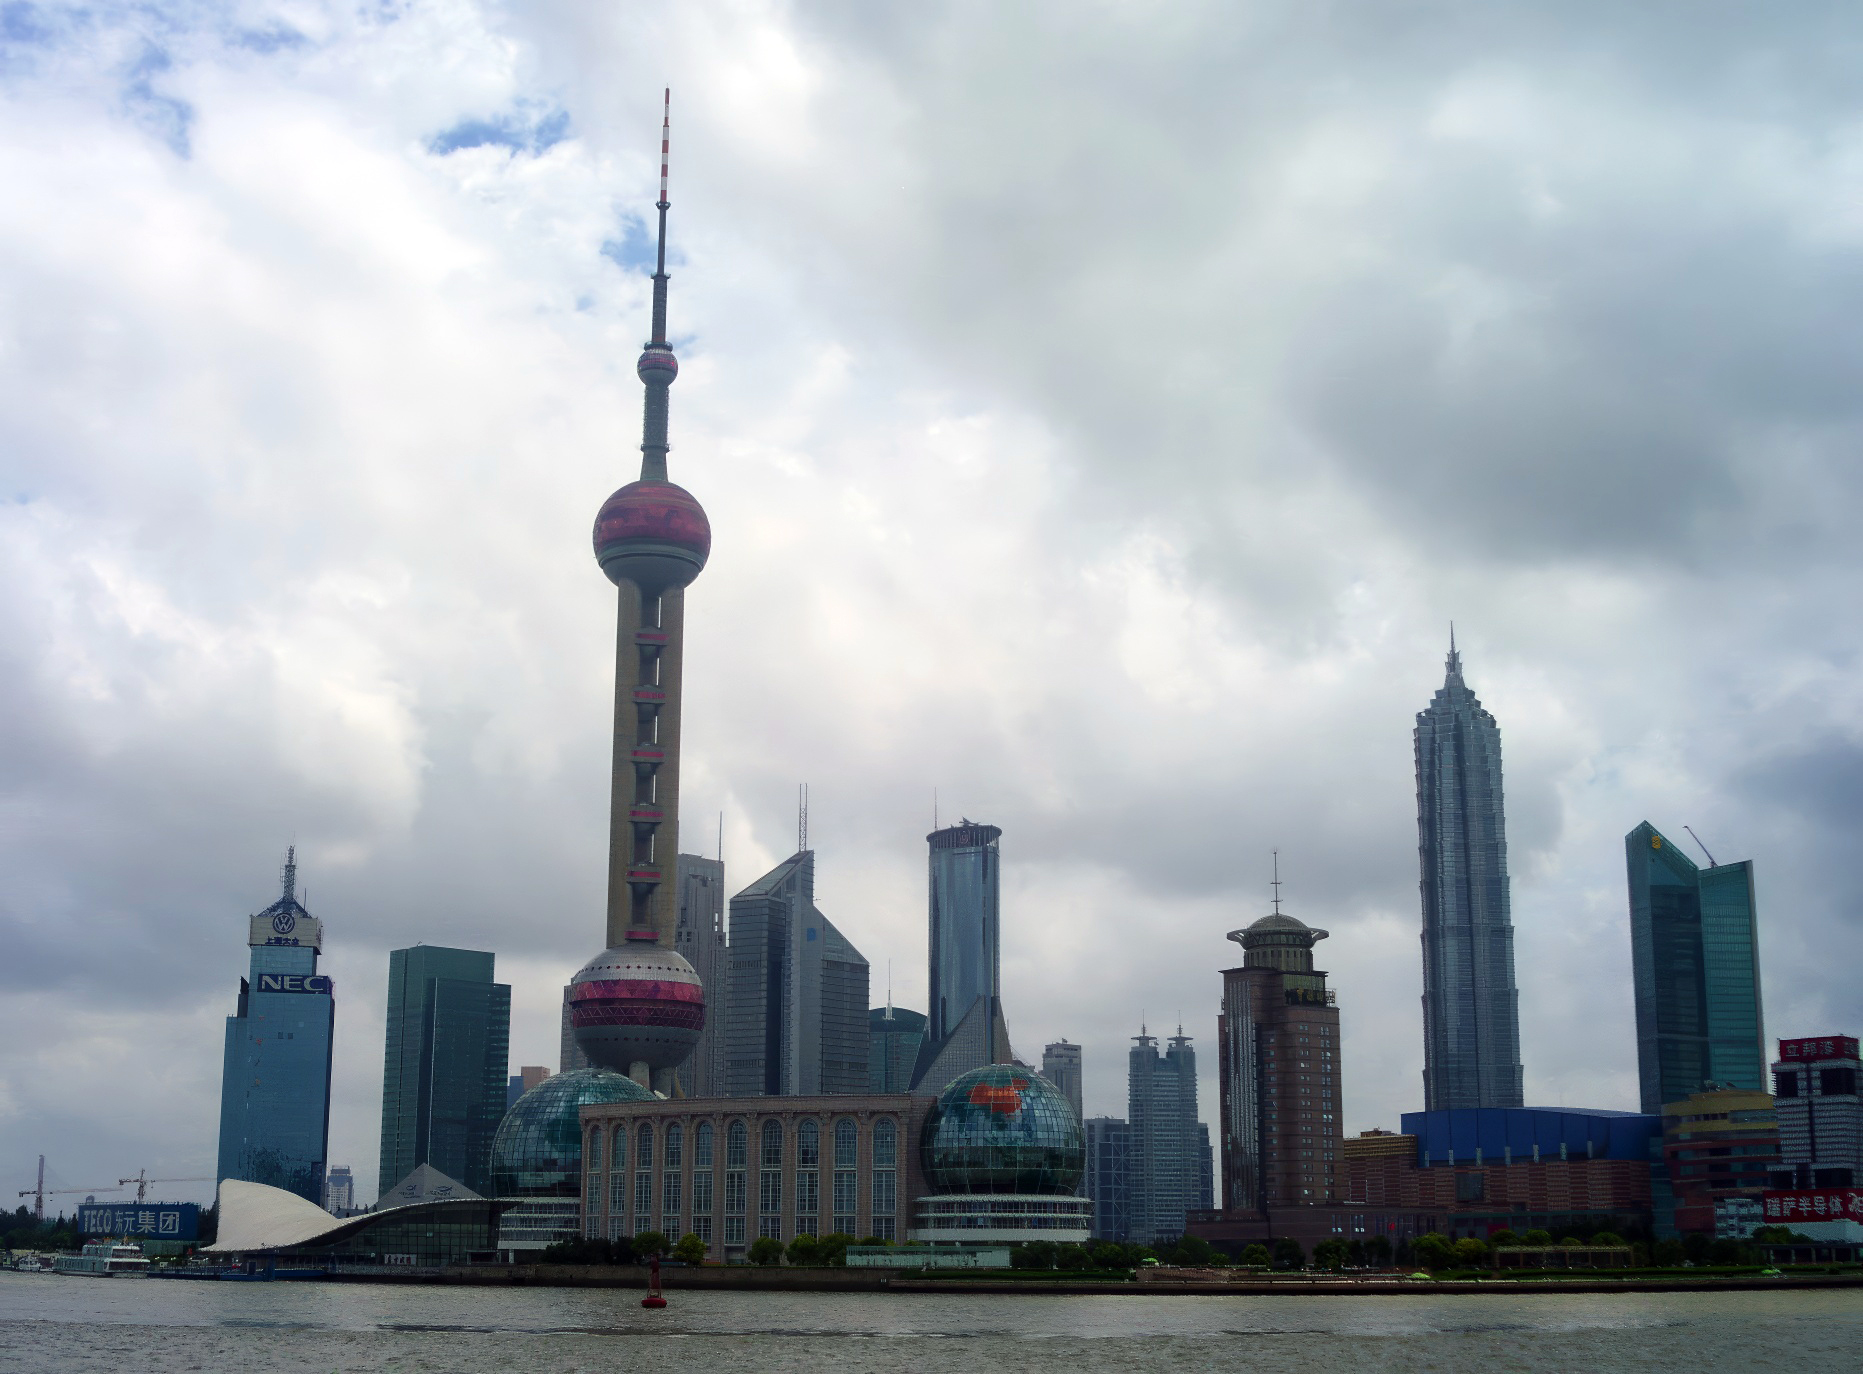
<point>104,1260</point>
<point>34,1264</point>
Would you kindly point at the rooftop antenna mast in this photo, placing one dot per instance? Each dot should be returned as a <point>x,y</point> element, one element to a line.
<point>802,817</point>
<point>1276,884</point>
<point>290,875</point>
<point>1704,848</point>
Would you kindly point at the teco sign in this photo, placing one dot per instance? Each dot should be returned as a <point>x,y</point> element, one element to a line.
<point>1819,1047</point>
<point>1817,1204</point>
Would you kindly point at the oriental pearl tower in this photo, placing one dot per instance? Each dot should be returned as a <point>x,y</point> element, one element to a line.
<point>638,1006</point>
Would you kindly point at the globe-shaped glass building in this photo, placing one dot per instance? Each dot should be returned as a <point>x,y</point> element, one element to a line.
<point>1002,1129</point>
<point>537,1155</point>
<point>538,1149</point>
<point>1003,1155</point>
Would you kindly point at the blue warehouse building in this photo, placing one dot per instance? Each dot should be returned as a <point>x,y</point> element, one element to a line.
<point>1526,1135</point>
<point>275,1087</point>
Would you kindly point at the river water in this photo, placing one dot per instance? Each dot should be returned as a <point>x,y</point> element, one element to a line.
<point>125,1326</point>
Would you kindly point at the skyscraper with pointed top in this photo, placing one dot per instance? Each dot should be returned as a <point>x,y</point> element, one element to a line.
<point>1471,1013</point>
<point>275,1083</point>
<point>639,1006</point>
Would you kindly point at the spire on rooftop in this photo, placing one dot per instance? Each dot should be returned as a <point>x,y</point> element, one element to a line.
<point>657,366</point>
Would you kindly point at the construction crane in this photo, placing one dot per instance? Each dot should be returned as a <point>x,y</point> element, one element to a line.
<point>41,1193</point>
<point>142,1182</point>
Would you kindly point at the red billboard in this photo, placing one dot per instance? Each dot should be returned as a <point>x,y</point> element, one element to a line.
<point>1814,1204</point>
<point>1819,1047</point>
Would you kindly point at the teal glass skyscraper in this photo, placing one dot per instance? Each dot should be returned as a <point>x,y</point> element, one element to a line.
<point>275,1083</point>
<point>1694,949</point>
<point>444,1071</point>
<point>1471,1011</point>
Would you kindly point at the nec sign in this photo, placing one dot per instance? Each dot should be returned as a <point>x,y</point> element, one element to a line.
<point>293,982</point>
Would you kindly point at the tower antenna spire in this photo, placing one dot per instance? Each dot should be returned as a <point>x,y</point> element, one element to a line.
<point>1276,884</point>
<point>290,876</point>
<point>657,366</point>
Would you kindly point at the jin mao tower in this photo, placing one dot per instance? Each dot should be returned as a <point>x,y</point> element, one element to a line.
<point>1471,1015</point>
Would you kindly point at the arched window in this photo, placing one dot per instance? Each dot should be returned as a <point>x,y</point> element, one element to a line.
<point>808,1145</point>
<point>620,1147</point>
<point>772,1144</point>
<point>846,1143</point>
<point>885,1144</point>
<point>770,1182</point>
<point>737,1158</point>
<point>737,1146</point>
<point>594,1150</point>
<point>675,1141</point>
<point>643,1150</point>
<point>702,1146</point>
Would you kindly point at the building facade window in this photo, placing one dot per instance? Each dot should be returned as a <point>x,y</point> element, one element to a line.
<point>808,1177</point>
<point>846,1176</point>
<point>885,1179</point>
<point>770,1182</point>
<point>737,1160</point>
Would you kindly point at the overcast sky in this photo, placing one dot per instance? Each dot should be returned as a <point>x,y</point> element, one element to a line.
<point>1102,411</point>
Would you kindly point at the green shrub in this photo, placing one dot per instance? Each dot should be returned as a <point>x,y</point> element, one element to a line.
<point>1257,1257</point>
<point>690,1250</point>
<point>766,1250</point>
<point>802,1250</point>
<point>651,1243</point>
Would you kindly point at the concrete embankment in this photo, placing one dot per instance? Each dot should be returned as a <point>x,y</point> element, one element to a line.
<point>1154,1283</point>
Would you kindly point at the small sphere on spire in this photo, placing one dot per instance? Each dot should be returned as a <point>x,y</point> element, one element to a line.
<point>657,365</point>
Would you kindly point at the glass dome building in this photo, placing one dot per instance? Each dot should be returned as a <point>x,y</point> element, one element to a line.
<point>1003,1156</point>
<point>537,1155</point>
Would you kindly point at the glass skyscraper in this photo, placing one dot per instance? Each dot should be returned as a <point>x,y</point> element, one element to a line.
<point>444,1070</point>
<point>1694,947</point>
<point>1169,1153</point>
<point>1471,1013</point>
<point>275,1083</point>
<point>796,992</point>
<point>966,956</point>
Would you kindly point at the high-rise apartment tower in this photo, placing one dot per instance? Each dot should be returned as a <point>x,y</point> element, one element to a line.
<point>1471,1015</point>
<point>1694,958</point>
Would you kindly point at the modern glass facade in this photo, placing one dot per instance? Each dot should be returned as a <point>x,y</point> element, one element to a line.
<point>700,937</point>
<point>1471,1014</point>
<point>795,1019</point>
<point>1694,945</point>
<point>275,1078</point>
<point>1109,1177</point>
<point>893,1039</point>
<point>1167,1150</point>
<point>444,1070</point>
<point>965,945</point>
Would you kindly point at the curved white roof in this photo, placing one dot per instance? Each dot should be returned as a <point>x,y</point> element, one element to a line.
<point>255,1216</point>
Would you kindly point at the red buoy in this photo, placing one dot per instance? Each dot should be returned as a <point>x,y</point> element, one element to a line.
<point>654,1297</point>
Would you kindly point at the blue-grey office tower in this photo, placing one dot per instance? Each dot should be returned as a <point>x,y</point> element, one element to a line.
<point>275,1086</point>
<point>964,1026</point>
<point>445,1065</point>
<point>1471,1012</point>
<point>1694,953</point>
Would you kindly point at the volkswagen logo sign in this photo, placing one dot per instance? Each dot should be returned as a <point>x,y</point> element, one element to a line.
<point>284,923</point>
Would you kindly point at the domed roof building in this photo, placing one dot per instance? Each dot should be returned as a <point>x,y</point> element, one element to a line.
<point>537,1155</point>
<point>1003,1155</point>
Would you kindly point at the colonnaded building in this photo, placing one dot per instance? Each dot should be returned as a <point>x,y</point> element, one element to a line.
<point>995,1159</point>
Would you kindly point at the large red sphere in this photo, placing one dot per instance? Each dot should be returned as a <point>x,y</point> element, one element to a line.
<point>653,534</point>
